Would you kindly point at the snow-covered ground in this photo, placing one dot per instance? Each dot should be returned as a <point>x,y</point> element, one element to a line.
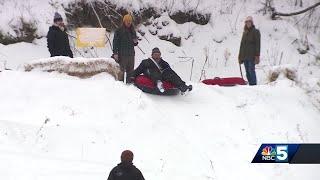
<point>58,127</point>
<point>53,126</point>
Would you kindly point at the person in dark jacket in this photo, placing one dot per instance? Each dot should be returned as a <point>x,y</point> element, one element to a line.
<point>57,38</point>
<point>158,70</point>
<point>126,170</point>
<point>124,40</point>
<point>249,53</point>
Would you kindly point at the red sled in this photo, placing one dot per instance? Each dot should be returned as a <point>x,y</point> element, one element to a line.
<point>146,85</point>
<point>230,81</point>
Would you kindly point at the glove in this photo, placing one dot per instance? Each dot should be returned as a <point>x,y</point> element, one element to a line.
<point>256,60</point>
<point>240,61</point>
<point>135,42</point>
<point>115,57</point>
<point>130,79</point>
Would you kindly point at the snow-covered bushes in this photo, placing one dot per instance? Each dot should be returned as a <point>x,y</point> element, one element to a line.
<point>80,67</point>
<point>313,90</point>
<point>165,28</point>
<point>23,31</point>
<point>190,16</point>
<point>81,13</point>
<point>287,72</point>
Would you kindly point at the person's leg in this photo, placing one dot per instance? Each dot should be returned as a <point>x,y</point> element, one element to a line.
<point>130,64</point>
<point>252,73</point>
<point>172,77</point>
<point>126,64</point>
<point>247,67</point>
<point>122,63</point>
<point>154,76</point>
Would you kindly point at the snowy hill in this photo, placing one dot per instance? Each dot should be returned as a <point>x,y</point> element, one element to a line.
<point>54,126</point>
<point>58,127</point>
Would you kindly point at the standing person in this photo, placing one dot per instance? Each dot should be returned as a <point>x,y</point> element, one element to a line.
<point>125,38</point>
<point>126,170</point>
<point>249,53</point>
<point>57,38</point>
<point>159,70</point>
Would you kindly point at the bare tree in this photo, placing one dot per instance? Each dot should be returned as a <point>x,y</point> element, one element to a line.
<point>276,14</point>
<point>298,2</point>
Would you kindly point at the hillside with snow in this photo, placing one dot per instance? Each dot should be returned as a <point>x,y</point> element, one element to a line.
<point>56,126</point>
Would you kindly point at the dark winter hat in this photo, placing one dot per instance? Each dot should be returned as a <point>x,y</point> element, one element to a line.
<point>57,17</point>
<point>156,50</point>
<point>127,156</point>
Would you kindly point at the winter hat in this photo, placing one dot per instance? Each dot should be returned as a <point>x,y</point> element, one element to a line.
<point>156,50</point>
<point>127,18</point>
<point>57,17</point>
<point>249,18</point>
<point>127,156</point>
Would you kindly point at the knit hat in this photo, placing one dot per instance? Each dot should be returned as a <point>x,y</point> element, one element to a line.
<point>249,18</point>
<point>127,18</point>
<point>57,17</point>
<point>127,156</point>
<point>156,50</point>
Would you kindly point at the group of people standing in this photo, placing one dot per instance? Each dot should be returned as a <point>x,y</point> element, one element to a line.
<point>125,39</point>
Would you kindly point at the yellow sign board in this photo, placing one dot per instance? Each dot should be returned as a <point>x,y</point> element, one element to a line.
<point>91,37</point>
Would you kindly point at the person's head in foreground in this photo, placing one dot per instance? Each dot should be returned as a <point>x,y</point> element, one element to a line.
<point>127,157</point>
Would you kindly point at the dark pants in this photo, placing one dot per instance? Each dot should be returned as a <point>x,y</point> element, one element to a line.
<point>250,71</point>
<point>126,65</point>
<point>166,75</point>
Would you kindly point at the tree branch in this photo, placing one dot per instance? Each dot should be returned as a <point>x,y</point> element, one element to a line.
<point>275,14</point>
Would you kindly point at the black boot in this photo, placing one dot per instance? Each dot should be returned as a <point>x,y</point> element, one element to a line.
<point>190,88</point>
<point>183,88</point>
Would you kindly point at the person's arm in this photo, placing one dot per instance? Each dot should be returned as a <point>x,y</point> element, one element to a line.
<point>140,69</point>
<point>70,54</point>
<point>50,42</point>
<point>116,39</point>
<point>258,43</point>
<point>135,38</point>
<point>240,50</point>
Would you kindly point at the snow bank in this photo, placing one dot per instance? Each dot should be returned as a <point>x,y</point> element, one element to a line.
<point>53,126</point>
<point>80,67</point>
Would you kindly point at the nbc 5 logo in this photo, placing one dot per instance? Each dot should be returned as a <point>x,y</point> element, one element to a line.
<point>282,153</point>
<point>277,153</point>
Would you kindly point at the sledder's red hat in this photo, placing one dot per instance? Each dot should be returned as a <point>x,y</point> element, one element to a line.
<point>127,156</point>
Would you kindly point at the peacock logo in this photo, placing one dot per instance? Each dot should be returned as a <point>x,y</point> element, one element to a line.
<point>268,151</point>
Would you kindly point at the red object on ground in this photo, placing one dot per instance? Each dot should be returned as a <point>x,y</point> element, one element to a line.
<point>145,81</point>
<point>230,81</point>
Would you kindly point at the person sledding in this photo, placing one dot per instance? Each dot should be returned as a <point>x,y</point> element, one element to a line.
<point>158,71</point>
